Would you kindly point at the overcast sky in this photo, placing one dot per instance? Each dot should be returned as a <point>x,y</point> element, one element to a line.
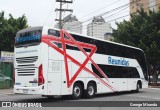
<point>42,12</point>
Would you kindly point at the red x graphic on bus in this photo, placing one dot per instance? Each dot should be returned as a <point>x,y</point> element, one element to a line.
<point>80,45</point>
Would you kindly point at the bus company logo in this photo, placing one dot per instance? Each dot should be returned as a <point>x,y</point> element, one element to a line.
<point>120,61</point>
<point>82,66</point>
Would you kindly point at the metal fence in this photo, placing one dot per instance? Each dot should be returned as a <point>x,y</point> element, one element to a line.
<point>6,75</point>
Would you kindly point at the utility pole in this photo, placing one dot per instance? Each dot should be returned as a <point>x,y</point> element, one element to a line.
<point>62,10</point>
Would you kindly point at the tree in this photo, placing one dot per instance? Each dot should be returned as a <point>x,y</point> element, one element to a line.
<point>142,31</point>
<point>8,29</point>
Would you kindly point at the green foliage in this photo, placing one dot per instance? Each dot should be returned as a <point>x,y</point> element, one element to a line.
<point>8,29</point>
<point>142,31</point>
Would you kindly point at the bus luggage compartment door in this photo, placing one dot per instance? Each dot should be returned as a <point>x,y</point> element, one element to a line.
<point>54,77</point>
<point>65,90</point>
<point>121,84</point>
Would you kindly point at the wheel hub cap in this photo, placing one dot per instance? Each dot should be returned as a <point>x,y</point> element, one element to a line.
<point>90,90</point>
<point>77,91</point>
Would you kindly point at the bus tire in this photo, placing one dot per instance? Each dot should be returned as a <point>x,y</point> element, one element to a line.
<point>77,91</point>
<point>137,88</point>
<point>91,89</point>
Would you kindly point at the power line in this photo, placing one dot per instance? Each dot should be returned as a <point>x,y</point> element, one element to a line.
<point>84,27</point>
<point>100,9</point>
<point>115,9</point>
<point>116,13</point>
<point>126,6</point>
<point>56,14</point>
<point>109,11</point>
<point>50,13</point>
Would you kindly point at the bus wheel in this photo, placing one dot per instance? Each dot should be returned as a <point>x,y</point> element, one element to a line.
<point>90,92</point>
<point>137,88</point>
<point>77,91</point>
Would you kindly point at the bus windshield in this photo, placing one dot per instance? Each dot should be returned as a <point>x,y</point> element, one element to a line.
<point>28,37</point>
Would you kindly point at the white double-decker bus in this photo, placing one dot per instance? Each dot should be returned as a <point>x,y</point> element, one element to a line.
<point>54,62</point>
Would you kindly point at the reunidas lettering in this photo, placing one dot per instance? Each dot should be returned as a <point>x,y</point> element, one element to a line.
<point>120,61</point>
<point>27,38</point>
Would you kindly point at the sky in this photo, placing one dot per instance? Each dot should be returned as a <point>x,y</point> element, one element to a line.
<point>42,12</point>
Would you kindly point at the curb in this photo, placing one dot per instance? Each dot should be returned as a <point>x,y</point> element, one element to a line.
<point>6,94</point>
<point>153,88</point>
<point>6,91</point>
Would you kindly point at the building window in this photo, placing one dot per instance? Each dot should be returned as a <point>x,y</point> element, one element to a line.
<point>152,5</point>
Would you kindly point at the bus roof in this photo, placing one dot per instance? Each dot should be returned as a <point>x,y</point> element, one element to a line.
<point>47,27</point>
<point>30,29</point>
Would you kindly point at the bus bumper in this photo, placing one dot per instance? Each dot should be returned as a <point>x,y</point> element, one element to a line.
<point>29,90</point>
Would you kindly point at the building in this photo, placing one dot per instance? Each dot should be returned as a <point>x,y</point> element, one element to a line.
<point>98,27</point>
<point>108,36</point>
<point>6,56</point>
<point>145,4</point>
<point>158,4</point>
<point>71,23</point>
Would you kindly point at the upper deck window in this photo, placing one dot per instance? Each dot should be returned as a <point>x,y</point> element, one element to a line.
<point>28,37</point>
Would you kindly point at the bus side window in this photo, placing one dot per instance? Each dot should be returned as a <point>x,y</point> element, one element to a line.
<point>59,45</point>
<point>53,32</point>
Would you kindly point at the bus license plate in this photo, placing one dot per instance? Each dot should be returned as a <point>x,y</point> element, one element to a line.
<point>25,91</point>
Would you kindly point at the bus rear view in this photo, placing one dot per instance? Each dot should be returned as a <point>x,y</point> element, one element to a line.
<point>29,77</point>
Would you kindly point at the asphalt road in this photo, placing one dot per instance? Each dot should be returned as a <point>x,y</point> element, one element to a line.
<point>126,97</point>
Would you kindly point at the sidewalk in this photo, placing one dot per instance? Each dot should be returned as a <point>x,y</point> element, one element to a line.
<point>6,91</point>
<point>153,86</point>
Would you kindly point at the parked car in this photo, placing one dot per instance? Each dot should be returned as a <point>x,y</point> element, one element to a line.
<point>4,81</point>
